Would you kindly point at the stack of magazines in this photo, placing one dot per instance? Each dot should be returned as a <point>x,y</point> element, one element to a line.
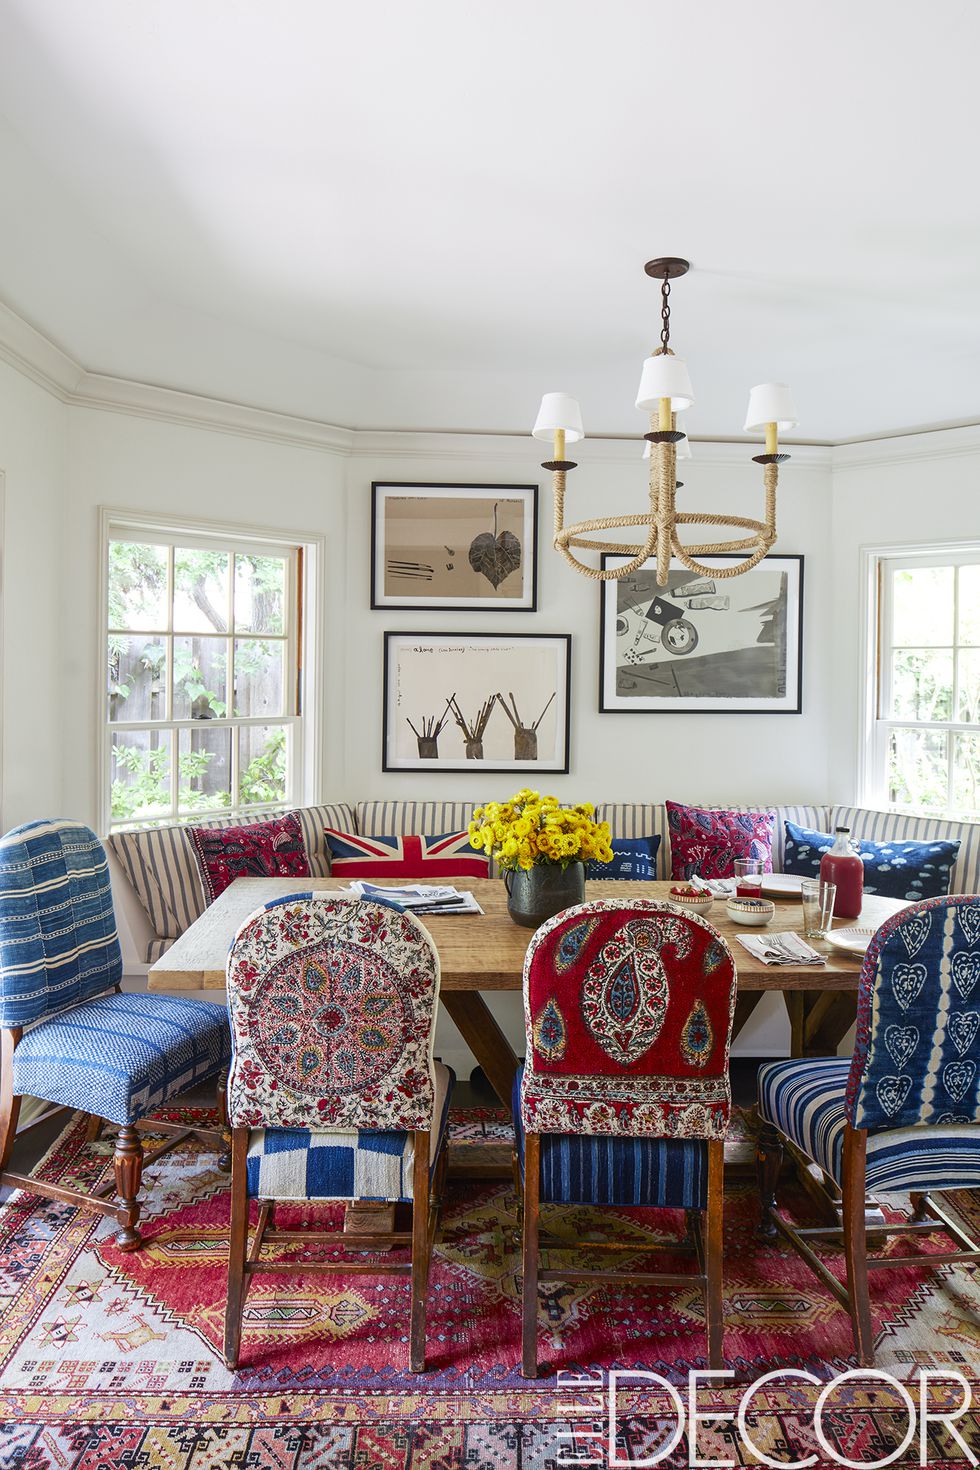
<point>420,898</point>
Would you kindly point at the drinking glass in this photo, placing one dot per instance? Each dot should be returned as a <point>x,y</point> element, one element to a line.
<point>748,878</point>
<point>818,907</point>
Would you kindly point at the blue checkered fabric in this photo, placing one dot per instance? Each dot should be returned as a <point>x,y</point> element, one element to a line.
<point>58,942</point>
<point>805,1099</point>
<point>122,1055</point>
<point>295,1163</point>
<point>589,1169</point>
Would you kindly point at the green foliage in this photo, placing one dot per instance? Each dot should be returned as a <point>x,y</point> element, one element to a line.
<point>263,780</point>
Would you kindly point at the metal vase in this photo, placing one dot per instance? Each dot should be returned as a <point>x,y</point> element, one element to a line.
<point>540,892</point>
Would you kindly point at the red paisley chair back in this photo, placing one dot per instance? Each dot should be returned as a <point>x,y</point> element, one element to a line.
<point>333,1005</point>
<point>628,1012</point>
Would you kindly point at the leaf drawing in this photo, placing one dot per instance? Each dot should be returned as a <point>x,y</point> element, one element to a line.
<point>495,558</point>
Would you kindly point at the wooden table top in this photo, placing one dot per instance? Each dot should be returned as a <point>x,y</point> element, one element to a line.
<point>486,952</point>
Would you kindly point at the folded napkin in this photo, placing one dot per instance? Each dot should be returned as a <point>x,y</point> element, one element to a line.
<point>717,887</point>
<point>780,949</point>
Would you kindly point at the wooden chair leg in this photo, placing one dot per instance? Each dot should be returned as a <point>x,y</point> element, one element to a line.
<point>529,1233</point>
<point>713,1249</point>
<point>224,1158</point>
<point>9,1104</point>
<point>238,1247</point>
<point>920,1208</point>
<point>856,1243</point>
<point>127,1162</point>
<point>421,1250</point>
<point>93,1128</point>
<point>769,1159</point>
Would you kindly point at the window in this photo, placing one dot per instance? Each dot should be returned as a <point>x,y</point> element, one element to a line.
<point>204,686</point>
<point>926,734</point>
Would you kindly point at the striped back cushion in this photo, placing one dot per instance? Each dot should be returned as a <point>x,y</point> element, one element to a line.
<point>58,942</point>
<point>161,865</point>
<point>894,826</point>
<point>412,818</point>
<point>644,819</point>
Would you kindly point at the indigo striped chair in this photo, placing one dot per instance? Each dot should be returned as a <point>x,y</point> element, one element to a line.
<point>333,1092</point>
<point>903,1114</point>
<point>67,1034</point>
<point>624,1096</point>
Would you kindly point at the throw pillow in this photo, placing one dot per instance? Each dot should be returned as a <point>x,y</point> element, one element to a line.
<point>271,849</point>
<point>428,858</point>
<point>634,858</point>
<point>893,869</point>
<point>707,841</point>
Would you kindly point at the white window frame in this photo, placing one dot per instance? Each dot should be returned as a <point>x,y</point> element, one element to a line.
<point>303,657</point>
<point>874,726</point>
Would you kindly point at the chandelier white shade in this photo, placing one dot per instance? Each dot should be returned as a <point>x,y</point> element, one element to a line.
<point>665,390</point>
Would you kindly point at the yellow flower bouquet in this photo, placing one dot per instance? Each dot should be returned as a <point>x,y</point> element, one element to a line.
<point>530,830</point>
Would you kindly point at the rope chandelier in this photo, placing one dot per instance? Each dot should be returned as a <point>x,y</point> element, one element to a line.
<point>665,390</point>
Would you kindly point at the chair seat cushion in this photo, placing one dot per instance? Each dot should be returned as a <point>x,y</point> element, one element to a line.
<point>120,1056</point>
<point>296,1163</point>
<point>587,1169</point>
<point>805,1101</point>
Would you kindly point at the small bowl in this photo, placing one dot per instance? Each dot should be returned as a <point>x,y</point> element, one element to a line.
<point>696,903</point>
<point>750,910</point>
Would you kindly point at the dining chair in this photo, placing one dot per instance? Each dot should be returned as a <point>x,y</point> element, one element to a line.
<point>333,1092</point>
<point>902,1115</point>
<point>69,1037</point>
<point>624,1096</point>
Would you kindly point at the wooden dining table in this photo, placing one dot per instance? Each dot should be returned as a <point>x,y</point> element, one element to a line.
<point>485,952</point>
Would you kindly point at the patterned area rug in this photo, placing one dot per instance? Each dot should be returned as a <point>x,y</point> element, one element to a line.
<point>110,1360</point>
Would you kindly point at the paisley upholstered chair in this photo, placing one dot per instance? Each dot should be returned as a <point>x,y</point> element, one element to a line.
<point>67,1034</point>
<point>333,1092</point>
<point>624,1096</point>
<point>903,1114</point>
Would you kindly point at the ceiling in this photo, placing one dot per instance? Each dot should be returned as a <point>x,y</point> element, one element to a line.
<point>392,215</point>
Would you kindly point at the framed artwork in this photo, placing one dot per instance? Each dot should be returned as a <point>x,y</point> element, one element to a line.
<point>712,644</point>
<point>462,547</point>
<point>461,701</point>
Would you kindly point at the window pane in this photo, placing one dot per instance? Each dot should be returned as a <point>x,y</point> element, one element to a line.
<point>201,590</point>
<point>966,776</point>
<point>137,586</point>
<point>922,685</point>
<point>204,769</point>
<point>200,678</point>
<point>260,594</point>
<point>140,775</point>
<point>970,605</point>
<point>917,769</point>
<point>262,764</point>
<point>922,606</point>
<point>969,709</point>
<point>258,677</point>
<point>137,673</point>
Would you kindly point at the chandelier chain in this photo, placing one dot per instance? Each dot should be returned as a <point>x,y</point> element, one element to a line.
<point>665,312</point>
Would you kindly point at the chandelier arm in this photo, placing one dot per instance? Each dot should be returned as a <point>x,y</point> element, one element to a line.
<point>684,557</point>
<point>564,538</point>
<point>662,506</point>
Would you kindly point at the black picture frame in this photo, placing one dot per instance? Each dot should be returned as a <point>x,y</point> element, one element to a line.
<point>455,565</point>
<point>403,652</point>
<point>616,631</point>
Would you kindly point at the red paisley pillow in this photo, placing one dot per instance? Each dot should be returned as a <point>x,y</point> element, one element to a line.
<point>707,842</point>
<point>272,849</point>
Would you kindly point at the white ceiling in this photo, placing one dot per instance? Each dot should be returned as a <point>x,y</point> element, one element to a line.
<point>422,215</point>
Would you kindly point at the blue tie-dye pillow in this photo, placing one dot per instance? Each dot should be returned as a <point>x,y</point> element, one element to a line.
<point>894,869</point>
<point>634,858</point>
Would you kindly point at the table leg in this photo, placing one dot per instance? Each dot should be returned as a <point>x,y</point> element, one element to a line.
<point>484,1038</point>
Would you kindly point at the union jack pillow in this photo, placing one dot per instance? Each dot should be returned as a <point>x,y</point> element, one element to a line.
<point>428,858</point>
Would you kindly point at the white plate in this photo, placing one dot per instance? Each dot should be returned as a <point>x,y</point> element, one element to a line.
<point>782,885</point>
<point>855,938</point>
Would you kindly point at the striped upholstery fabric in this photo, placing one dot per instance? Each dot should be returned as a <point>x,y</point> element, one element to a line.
<point>122,1055</point>
<point>161,866</point>
<point>294,1163</point>
<point>58,942</point>
<point>580,1169</point>
<point>894,826</point>
<point>644,819</point>
<point>414,818</point>
<point>805,1101</point>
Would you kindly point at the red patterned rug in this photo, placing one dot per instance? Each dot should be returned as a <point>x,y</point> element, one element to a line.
<point>110,1360</point>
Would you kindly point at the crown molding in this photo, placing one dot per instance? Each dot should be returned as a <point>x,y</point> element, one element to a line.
<point>432,444</point>
<point>932,444</point>
<point>38,358</point>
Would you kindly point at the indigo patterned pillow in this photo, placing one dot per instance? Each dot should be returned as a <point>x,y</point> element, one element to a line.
<point>707,841</point>
<point>272,849</point>
<point>892,869</point>
<point>634,858</point>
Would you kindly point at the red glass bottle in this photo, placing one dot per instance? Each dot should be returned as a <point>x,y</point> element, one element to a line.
<point>841,865</point>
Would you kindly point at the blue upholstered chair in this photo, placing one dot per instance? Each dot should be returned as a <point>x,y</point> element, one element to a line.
<point>624,1097</point>
<point>333,1092</point>
<point>903,1114</point>
<point>67,1034</point>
